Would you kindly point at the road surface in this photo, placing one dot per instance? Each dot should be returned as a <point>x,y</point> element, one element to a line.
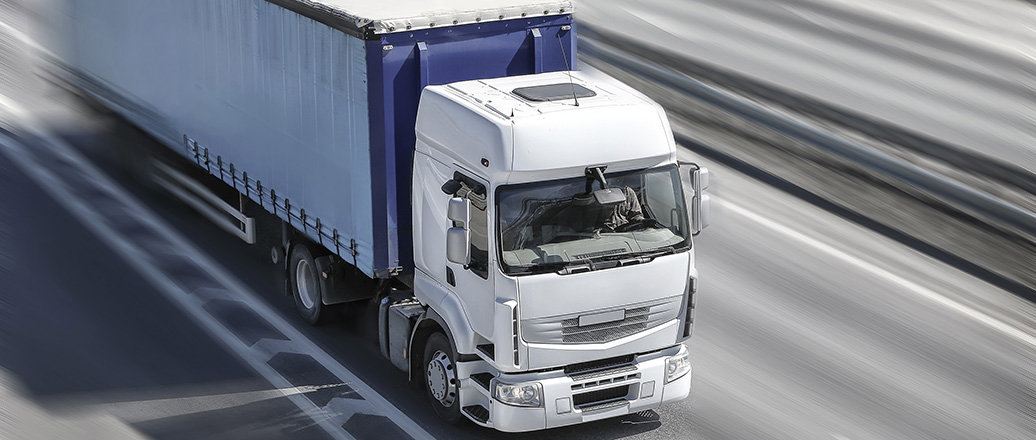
<point>808,327</point>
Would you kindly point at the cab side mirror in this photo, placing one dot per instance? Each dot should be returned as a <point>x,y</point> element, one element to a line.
<point>696,180</point>
<point>458,237</point>
<point>701,205</point>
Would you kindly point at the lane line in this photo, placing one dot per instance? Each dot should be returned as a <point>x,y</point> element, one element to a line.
<point>139,261</point>
<point>139,411</point>
<point>918,289</point>
<point>21,417</point>
<point>192,304</point>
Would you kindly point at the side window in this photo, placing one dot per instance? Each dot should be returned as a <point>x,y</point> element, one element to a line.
<point>661,195</point>
<point>479,227</point>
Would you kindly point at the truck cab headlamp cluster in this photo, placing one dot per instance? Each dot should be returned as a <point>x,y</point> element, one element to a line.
<point>677,366</point>
<point>523,394</point>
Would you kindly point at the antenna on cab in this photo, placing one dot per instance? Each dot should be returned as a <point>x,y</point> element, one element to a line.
<point>568,68</point>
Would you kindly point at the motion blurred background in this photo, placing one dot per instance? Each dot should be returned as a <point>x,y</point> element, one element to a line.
<point>870,271</point>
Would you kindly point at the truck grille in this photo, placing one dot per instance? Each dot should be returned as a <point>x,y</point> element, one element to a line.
<point>594,398</point>
<point>600,364</point>
<point>566,329</point>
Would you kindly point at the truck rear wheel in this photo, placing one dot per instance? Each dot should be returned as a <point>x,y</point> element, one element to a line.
<point>441,383</point>
<point>304,282</point>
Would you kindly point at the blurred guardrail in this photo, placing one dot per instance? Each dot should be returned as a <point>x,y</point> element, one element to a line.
<point>1010,223</point>
<point>1001,172</point>
<point>979,203</point>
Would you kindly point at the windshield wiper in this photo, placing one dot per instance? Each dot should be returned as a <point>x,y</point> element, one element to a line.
<point>592,264</point>
<point>549,267</point>
<point>638,257</point>
<point>561,267</point>
<point>610,261</point>
<point>668,250</point>
<point>583,266</point>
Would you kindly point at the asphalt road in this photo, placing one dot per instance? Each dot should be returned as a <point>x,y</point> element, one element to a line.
<point>808,327</point>
<point>85,336</point>
<point>957,70</point>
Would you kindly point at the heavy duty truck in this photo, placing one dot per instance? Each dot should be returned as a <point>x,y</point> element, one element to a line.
<point>524,228</point>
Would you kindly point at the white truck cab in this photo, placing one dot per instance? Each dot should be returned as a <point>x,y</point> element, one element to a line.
<point>556,249</point>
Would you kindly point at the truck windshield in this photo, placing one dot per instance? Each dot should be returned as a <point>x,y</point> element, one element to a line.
<point>551,226</point>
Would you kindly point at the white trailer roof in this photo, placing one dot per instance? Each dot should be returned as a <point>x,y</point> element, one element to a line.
<point>401,15</point>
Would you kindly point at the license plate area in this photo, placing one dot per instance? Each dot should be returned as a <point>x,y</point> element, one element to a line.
<point>601,318</point>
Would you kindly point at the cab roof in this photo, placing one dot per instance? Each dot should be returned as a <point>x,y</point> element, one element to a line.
<point>518,97</point>
<point>535,139</point>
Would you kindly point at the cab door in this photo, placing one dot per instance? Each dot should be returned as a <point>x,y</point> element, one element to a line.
<point>471,282</point>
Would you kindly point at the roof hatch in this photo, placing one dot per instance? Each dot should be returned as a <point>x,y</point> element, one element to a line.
<point>554,92</point>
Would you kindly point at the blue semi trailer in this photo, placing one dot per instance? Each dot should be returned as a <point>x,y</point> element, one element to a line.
<point>524,227</point>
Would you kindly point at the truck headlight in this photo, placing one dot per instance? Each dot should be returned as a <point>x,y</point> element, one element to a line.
<point>523,394</point>
<point>677,366</point>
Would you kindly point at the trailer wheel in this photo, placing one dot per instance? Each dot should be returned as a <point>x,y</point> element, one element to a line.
<point>440,373</point>
<point>305,286</point>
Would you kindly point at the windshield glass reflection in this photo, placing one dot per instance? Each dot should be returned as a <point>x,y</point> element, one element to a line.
<point>547,226</point>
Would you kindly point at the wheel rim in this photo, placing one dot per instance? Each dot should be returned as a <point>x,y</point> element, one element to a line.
<point>442,379</point>
<point>305,284</point>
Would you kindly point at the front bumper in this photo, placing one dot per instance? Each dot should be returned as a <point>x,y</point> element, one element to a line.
<point>584,397</point>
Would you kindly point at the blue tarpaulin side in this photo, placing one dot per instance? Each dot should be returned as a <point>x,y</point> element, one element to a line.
<point>401,64</point>
<point>320,116</point>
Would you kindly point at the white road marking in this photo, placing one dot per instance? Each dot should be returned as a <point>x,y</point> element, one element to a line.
<point>191,304</point>
<point>22,418</point>
<point>21,37</point>
<point>137,259</point>
<point>154,409</point>
<point>882,273</point>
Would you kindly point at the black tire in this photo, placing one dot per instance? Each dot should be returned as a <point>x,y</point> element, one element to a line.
<point>437,346</point>
<point>305,286</point>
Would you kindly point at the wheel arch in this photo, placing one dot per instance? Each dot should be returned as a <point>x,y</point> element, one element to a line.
<point>429,324</point>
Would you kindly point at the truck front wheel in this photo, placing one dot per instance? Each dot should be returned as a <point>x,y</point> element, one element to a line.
<point>305,286</point>
<point>441,383</point>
